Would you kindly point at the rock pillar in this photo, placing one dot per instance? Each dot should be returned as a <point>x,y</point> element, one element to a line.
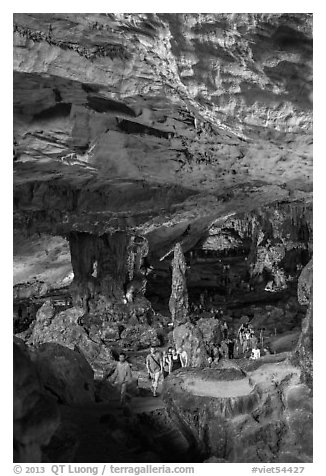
<point>178,303</point>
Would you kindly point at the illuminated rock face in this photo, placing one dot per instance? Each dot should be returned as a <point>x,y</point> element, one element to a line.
<point>150,121</point>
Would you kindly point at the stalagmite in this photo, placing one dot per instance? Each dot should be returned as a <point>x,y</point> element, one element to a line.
<point>178,303</point>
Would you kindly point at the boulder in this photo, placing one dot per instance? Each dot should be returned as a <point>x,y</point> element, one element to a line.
<point>189,338</point>
<point>211,330</point>
<point>139,337</point>
<point>64,373</point>
<point>65,329</point>
<point>36,415</point>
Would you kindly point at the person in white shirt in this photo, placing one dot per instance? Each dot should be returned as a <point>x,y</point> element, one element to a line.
<point>122,376</point>
<point>255,353</point>
<point>183,357</point>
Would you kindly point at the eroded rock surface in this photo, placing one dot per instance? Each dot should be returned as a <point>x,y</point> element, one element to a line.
<point>256,416</point>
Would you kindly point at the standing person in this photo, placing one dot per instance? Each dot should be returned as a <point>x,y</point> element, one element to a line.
<point>166,364</point>
<point>154,364</point>
<point>231,348</point>
<point>183,357</point>
<point>255,353</point>
<point>122,376</point>
<point>225,330</point>
<point>253,340</point>
<point>175,362</point>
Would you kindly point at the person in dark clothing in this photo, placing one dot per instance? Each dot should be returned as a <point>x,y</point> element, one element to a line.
<point>175,361</point>
<point>231,348</point>
<point>20,312</point>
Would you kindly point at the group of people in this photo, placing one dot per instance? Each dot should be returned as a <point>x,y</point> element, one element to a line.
<point>161,364</point>
<point>158,366</point>
<point>243,344</point>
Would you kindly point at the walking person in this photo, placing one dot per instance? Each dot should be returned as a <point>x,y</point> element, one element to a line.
<point>122,376</point>
<point>154,365</point>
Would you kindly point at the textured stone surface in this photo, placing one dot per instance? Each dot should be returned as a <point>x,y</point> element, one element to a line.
<point>64,329</point>
<point>180,118</point>
<point>36,416</point>
<point>269,420</point>
<point>64,373</point>
<point>178,303</point>
<point>189,337</point>
<point>139,337</point>
<point>305,284</point>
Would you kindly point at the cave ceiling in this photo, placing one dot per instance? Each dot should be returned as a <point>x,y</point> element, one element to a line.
<point>152,122</point>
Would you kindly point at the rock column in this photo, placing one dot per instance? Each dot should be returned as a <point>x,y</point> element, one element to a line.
<point>186,336</point>
<point>178,303</point>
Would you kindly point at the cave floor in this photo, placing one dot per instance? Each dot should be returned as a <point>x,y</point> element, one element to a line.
<point>218,389</point>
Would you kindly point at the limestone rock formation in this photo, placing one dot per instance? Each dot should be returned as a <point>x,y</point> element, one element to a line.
<point>189,338</point>
<point>64,373</point>
<point>305,284</point>
<point>178,303</point>
<point>238,417</point>
<point>36,416</point>
<point>139,337</point>
<point>303,355</point>
<point>64,329</point>
<point>140,134</point>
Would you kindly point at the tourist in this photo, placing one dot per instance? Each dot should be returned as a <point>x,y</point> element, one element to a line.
<point>255,353</point>
<point>224,349</point>
<point>225,330</point>
<point>175,362</point>
<point>216,353</point>
<point>154,365</point>
<point>230,344</point>
<point>122,376</point>
<point>183,357</point>
<point>165,364</point>
<point>253,339</point>
<point>209,361</point>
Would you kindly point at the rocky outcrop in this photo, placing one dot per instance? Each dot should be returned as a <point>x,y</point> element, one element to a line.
<point>234,417</point>
<point>64,373</point>
<point>64,329</point>
<point>211,330</point>
<point>36,416</point>
<point>189,338</point>
<point>139,337</point>
<point>303,355</point>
